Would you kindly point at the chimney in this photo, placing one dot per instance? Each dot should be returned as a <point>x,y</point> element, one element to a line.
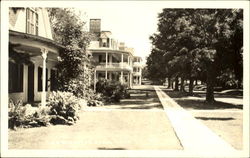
<point>95,26</point>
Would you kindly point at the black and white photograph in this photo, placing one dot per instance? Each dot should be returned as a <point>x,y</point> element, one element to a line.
<point>125,78</point>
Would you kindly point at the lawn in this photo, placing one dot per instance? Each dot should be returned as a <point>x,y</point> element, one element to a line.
<point>224,117</point>
<point>138,123</point>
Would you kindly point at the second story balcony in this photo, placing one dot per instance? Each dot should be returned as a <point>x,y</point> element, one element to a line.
<point>112,60</point>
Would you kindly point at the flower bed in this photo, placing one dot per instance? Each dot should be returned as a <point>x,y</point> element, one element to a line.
<point>62,108</point>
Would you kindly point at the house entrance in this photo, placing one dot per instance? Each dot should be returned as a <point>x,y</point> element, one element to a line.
<point>31,83</point>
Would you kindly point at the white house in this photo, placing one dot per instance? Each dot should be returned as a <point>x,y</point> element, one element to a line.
<point>114,60</point>
<point>32,54</point>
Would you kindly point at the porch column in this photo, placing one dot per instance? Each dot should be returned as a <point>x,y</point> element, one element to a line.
<point>44,56</point>
<point>129,85</point>
<point>131,80</point>
<point>94,80</point>
<point>122,60</point>
<point>106,73</point>
<point>140,80</point>
<point>106,59</point>
<point>110,75</point>
<point>110,59</point>
<point>121,77</point>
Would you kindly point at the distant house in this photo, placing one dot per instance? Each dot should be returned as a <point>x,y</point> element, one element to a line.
<point>137,70</point>
<point>32,55</point>
<point>114,61</point>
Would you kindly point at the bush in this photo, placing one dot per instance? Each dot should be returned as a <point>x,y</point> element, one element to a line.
<point>92,98</point>
<point>64,107</point>
<point>27,116</point>
<point>112,91</point>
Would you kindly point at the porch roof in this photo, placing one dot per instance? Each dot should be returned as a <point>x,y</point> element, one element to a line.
<point>36,38</point>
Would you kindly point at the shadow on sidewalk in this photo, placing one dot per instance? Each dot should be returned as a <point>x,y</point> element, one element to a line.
<point>139,99</point>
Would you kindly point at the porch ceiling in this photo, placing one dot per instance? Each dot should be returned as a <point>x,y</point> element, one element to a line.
<point>32,45</point>
<point>35,51</point>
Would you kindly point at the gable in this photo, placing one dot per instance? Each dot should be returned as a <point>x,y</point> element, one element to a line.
<point>20,21</point>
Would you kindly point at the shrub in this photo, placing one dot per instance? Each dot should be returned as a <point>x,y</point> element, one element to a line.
<point>64,107</point>
<point>92,98</point>
<point>27,116</point>
<point>112,91</point>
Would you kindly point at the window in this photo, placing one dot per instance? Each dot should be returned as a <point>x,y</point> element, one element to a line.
<point>40,79</point>
<point>31,21</point>
<point>15,77</point>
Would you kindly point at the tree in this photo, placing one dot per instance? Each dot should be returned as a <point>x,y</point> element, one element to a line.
<point>68,30</point>
<point>199,43</point>
<point>156,72</point>
<point>145,72</point>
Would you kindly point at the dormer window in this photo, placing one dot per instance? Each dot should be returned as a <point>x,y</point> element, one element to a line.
<point>31,21</point>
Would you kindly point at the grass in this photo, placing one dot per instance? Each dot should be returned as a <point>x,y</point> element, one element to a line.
<point>225,119</point>
<point>197,101</point>
<point>202,105</point>
<point>107,130</point>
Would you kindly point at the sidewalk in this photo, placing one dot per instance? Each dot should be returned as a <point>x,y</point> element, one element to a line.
<point>193,135</point>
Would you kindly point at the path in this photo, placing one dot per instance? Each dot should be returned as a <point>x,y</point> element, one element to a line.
<point>193,135</point>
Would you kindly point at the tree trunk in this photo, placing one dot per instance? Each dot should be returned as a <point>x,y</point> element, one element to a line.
<point>182,84</point>
<point>210,85</point>
<point>169,82</point>
<point>172,85</point>
<point>176,84</point>
<point>191,85</point>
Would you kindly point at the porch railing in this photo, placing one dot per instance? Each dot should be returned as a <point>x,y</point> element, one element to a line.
<point>115,65</point>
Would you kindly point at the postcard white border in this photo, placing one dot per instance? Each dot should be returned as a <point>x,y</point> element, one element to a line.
<point>126,153</point>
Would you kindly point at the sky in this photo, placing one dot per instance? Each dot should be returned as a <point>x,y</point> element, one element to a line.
<point>129,22</point>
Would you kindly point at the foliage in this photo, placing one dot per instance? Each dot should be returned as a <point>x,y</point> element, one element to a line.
<point>64,107</point>
<point>197,43</point>
<point>75,62</point>
<point>145,73</point>
<point>27,116</point>
<point>112,91</point>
